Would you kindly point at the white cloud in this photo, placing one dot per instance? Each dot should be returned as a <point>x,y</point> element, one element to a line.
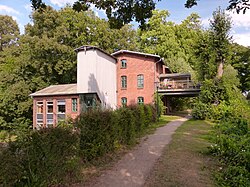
<point>242,39</point>
<point>240,20</point>
<point>28,7</point>
<point>62,3</point>
<point>205,22</point>
<point>8,10</point>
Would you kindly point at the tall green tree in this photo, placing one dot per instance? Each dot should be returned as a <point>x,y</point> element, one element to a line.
<point>219,30</point>
<point>9,31</point>
<point>175,43</point>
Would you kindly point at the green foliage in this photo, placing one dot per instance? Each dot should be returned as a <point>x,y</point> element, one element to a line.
<point>40,158</point>
<point>126,119</point>
<point>9,31</point>
<point>201,111</point>
<point>160,108</point>
<point>232,147</point>
<point>97,135</point>
<point>175,43</point>
<point>102,132</point>
<point>241,62</point>
<point>222,102</point>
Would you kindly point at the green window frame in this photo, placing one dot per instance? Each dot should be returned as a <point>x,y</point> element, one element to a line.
<point>140,100</point>
<point>74,104</point>
<point>140,81</point>
<point>124,63</point>
<point>124,101</point>
<point>124,81</point>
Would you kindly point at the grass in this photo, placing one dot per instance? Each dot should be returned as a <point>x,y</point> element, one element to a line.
<point>184,161</point>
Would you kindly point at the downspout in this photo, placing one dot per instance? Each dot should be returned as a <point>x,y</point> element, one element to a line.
<point>155,71</point>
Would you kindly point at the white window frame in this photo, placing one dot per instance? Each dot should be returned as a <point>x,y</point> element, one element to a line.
<point>50,121</point>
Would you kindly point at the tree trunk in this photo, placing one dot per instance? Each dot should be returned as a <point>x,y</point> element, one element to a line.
<point>220,70</point>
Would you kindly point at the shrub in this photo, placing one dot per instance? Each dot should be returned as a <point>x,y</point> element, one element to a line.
<point>232,147</point>
<point>148,115</point>
<point>126,122</point>
<point>139,115</point>
<point>201,111</point>
<point>98,133</point>
<point>40,158</point>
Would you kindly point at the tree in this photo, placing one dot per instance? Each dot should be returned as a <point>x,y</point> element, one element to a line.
<point>9,31</point>
<point>121,12</point>
<point>241,62</point>
<point>220,26</point>
<point>175,43</point>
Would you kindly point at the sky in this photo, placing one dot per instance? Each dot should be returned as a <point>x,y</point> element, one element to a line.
<point>20,10</point>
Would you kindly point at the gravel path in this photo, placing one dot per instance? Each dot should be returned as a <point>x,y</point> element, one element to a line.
<point>133,169</point>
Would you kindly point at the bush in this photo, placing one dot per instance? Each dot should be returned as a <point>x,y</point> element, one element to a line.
<point>232,147</point>
<point>103,131</point>
<point>126,121</point>
<point>201,111</point>
<point>40,158</point>
<point>98,133</point>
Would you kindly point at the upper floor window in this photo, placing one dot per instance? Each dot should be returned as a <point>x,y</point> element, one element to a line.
<point>74,104</point>
<point>124,81</point>
<point>140,81</point>
<point>124,63</point>
<point>124,101</point>
<point>140,100</point>
<point>39,109</point>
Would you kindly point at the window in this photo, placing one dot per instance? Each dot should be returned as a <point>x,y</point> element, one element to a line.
<point>49,113</point>
<point>124,101</point>
<point>124,63</point>
<point>60,110</point>
<point>74,104</point>
<point>140,100</point>
<point>124,81</point>
<point>39,114</point>
<point>140,81</point>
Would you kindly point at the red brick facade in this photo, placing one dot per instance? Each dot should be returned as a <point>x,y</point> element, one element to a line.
<point>54,99</point>
<point>137,64</point>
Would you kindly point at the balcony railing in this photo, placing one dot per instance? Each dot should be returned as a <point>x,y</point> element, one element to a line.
<point>178,84</point>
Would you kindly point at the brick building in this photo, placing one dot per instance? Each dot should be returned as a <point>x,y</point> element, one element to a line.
<point>103,80</point>
<point>137,75</point>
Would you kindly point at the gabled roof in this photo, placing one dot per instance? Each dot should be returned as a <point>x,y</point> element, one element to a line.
<point>134,52</point>
<point>89,47</point>
<point>61,89</point>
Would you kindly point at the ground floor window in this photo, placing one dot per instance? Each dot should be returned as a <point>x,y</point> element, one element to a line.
<point>140,100</point>
<point>124,101</point>
<point>61,109</point>
<point>49,114</point>
<point>39,114</point>
<point>74,104</point>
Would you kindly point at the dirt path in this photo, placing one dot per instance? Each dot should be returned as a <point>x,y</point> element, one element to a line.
<point>133,169</point>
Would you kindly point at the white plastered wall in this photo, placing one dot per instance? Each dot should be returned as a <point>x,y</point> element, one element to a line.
<point>96,73</point>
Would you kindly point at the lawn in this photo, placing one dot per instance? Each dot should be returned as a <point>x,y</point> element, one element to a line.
<point>184,161</point>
